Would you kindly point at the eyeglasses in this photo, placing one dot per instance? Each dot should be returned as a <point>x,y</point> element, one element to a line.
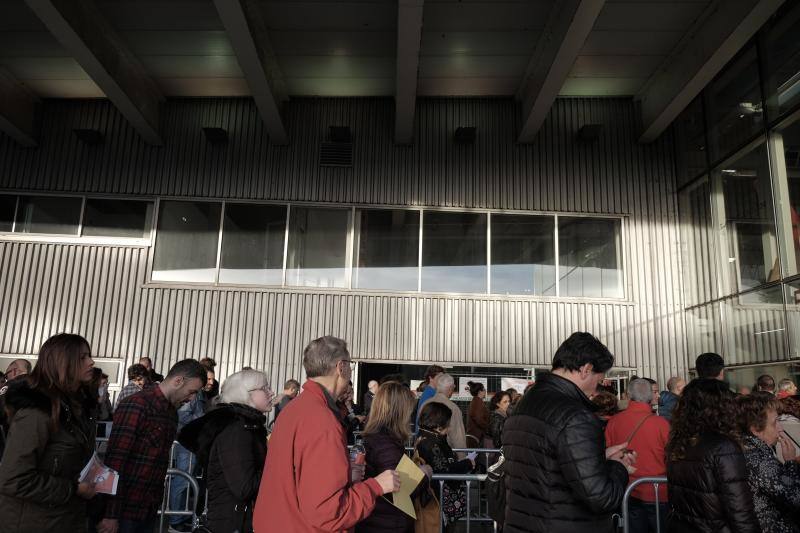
<point>265,388</point>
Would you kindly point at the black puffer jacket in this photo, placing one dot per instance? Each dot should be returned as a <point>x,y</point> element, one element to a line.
<point>231,445</point>
<point>708,489</point>
<point>557,476</point>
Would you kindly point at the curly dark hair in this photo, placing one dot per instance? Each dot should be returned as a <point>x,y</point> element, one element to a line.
<point>706,406</point>
<point>790,406</point>
<point>497,398</point>
<point>753,410</point>
<point>607,403</point>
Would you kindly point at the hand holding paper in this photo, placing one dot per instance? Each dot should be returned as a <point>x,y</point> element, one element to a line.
<point>410,476</point>
<point>472,456</point>
<point>104,479</point>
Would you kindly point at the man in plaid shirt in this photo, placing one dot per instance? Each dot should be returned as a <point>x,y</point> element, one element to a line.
<point>139,447</point>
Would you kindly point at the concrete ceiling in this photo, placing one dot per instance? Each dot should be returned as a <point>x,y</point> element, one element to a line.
<point>138,52</point>
<point>335,48</point>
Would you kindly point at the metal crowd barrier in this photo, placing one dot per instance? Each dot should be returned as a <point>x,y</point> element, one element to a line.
<point>656,482</point>
<point>192,497</point>
<point>471,481</point>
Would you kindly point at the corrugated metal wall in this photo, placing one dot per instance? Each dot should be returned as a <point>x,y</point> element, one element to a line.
<point>101,291</point>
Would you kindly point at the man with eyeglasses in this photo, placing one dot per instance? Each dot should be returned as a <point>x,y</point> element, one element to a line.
<point>309,484</point>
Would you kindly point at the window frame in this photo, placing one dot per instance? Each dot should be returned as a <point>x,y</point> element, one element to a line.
<point>79,238</point>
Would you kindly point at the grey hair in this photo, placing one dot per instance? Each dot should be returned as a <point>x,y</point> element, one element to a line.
<point>785,384</point>
<point>444,382</point>
<point>639,390</point>
<point>236,389</point>
<point>322,354</point>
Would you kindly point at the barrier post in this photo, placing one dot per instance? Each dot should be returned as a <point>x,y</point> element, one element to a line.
<point>656,481</point>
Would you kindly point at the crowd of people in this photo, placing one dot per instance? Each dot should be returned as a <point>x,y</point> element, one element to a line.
<point>571,446</point>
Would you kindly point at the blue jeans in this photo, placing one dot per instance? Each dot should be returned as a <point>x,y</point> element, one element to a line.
<point>642,516</point>
<point>145,526</point>
<point>179,487</point>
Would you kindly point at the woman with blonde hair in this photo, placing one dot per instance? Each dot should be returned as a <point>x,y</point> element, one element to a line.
<point>385,436</point>
<point>51,438</point>
<point>231,445</point>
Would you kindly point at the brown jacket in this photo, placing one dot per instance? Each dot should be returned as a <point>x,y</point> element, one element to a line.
<point>477,419</point>
<point>40,468</point>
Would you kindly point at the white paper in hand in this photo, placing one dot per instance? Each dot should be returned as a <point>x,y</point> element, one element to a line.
<point>105,479</point>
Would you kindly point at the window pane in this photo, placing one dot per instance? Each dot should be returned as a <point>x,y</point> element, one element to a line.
<point>734,106</point>
<point>317,255</point>
<point>590,259</point>
<point>186,241</point>
<point>754,327</point>
<point>252,244</point>
<point>690,136</point>
<point>7,206</point>
<point>117,218</point>
<point>523,255</point>
<point>782,59</point>
<point>48,214</point>
<point>387,253</point>
<point>752,246</point>
<point>787,145</point>
<point>454,252</point>
<point>697,244</point>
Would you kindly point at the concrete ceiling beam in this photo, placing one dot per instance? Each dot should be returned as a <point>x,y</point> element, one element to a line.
<point>17,110</point>
<point>80,28</point>
<point>249,38</point>
<point>567,28</point>
<point>409,35</point>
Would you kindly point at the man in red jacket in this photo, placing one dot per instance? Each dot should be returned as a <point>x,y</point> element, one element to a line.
<point>307,485</point>
<point>647,435</point>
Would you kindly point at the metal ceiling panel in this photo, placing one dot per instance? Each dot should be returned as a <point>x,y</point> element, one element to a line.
<point>204,87</point>
<point>630,43</point>
<point>601,86</point>
<point>77,88</point>
<point>353,43</point>
<point>30,44</point>
<point>335,16</point>
<point>472,66</point>
<point>481,16</point>
<point>649,16</point>
<point>192,66</point>
<point>165,15</point>
<point>467,86</point>
<point>479,42</point>
<point>337,67</point>
<point>178,43</point>
<point>340,86</point>
<point>615,66</point>
<point>45,68</point>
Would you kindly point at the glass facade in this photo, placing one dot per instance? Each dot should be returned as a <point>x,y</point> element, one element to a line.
<point>51,215</point>
<point>104,217</point>
<point>8,205</point>
<point>317,252</point>
<point>391,249</point>
<point>739,201</point>
<point>590,259</point>
<point>387,249</point>
<point>523,255</point>
<point>252,244</point>
<point>454,252</point>
<point>188,236</point>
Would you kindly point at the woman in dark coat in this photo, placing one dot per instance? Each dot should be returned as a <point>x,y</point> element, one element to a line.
<point>477,414</point>
<point>231,445</point>
<point>433,448</point>
<point>497,417</point>
<point>385,436</point>
<point>775,485</point>
<point>50,440</point>
<point>707,472</point>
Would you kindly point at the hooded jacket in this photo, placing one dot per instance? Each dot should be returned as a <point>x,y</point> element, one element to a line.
<point>557,476</point>
<point>40,467</point>
<point>231,445</point>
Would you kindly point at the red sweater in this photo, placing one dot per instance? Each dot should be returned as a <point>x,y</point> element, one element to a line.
<point>306,483</point>
<point>649,443</point>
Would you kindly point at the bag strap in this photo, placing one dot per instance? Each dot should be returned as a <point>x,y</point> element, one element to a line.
<point>639,425</point>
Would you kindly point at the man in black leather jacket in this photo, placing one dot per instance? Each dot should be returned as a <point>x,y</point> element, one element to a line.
<point>559,476</point>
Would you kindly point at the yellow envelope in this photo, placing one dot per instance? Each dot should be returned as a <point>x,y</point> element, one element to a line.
<point>410,476</point>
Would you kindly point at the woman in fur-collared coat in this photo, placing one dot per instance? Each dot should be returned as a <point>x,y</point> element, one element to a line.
<point>50,440</point>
